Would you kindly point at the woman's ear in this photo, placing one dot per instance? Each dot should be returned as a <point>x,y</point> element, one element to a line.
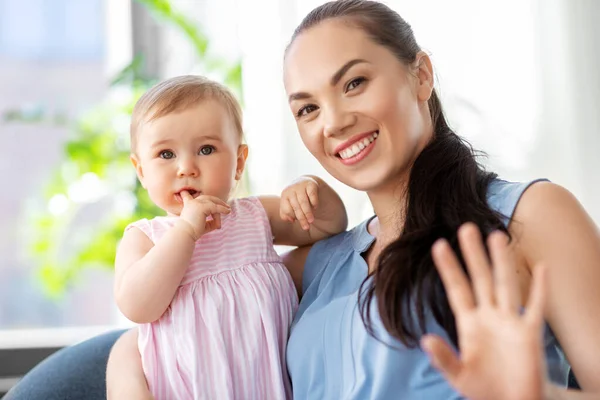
<point>424,71</point>
<point>138,168</point>
<point>241,161</point>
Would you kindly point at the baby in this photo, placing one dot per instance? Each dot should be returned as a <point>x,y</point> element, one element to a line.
<point>212,298</point>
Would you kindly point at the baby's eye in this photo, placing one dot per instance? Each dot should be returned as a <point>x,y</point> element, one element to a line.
<point>207,150</point>
<point>166,154</point>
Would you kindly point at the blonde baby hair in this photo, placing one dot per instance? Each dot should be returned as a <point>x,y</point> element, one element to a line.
<point>178,94</point>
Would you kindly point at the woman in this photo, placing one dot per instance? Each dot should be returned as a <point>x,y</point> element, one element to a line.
<point>362,93</point>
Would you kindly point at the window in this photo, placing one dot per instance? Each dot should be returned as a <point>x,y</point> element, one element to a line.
<point>52,62</point>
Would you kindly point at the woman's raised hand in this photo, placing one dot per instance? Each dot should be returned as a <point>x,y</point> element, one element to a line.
<point>501,352</point>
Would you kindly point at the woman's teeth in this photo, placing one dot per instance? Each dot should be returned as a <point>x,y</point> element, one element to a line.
<point>358,146</point>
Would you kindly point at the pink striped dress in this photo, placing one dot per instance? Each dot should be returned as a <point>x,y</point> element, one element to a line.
<point>224,335</point>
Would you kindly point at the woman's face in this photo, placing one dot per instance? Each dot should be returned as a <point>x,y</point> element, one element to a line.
<point>360,112</point>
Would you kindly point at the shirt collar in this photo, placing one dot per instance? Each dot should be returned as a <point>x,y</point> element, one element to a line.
<point>361,238</point>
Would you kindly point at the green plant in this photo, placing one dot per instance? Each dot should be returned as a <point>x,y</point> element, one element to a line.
<point>96,167</point>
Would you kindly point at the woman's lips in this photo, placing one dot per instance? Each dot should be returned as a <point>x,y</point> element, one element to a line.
<point>359,150</point>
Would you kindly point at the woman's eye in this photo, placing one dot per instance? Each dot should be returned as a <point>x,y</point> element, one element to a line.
<point>306,110</point>
<point>166,154</point>
<point>207,150</point>
<point>354,83</point>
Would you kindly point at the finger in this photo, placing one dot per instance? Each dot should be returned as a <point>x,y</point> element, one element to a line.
<point>213,199</point>
<point>217,221</point>
<point>223,209</point>
<point>455,282</point>
<point>286,212</point>
<point>508,294</point>
<point>471,246</point>
<point>185,196</point>
<point>442,357</point>
<point>299,214</point>
<point>208,208</point>
<point>312,191</point>
<point>534,312</point>
<point>306,207</point>
<point>213,224</point>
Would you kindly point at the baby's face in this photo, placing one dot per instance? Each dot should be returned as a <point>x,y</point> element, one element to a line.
<point>197,150</point>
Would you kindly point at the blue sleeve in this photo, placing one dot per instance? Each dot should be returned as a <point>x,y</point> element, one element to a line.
<point>503,196</point>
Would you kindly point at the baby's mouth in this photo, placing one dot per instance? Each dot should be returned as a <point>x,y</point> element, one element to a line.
<point>192,192</point>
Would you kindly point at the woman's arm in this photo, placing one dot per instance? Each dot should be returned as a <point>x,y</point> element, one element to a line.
<point>75,372</point>
<point>552,229</point>
<point>501,350</point>
<point>307,211</point>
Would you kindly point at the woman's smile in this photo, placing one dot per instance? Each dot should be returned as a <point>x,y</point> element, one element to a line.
<point>355,150</point>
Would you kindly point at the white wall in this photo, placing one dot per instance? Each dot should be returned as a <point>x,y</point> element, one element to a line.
<point>517,77</point>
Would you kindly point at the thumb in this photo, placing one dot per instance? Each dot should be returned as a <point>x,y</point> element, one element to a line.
<point>185,196</point>
<point>442,357</point>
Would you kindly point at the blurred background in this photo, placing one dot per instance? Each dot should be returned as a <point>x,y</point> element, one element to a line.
<point>518,79</point>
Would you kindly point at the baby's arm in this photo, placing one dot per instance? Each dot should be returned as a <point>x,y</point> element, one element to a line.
<point>147,275</point>
<point>124,374</point>
<point>307,211</point>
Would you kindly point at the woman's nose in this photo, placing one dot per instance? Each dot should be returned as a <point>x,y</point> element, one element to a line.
<point>336,121</point>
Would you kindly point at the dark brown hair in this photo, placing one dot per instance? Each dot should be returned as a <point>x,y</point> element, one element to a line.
<point>447,187</point>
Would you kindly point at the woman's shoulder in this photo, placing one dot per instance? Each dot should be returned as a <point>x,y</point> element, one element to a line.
<point>324,249</point>
<point>525,200</point>
<point>549,207</point>
<point>503,196</point>
<point>329,254</point>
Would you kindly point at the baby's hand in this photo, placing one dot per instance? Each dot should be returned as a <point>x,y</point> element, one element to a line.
<point>203,213</point>
<point>298,201</point>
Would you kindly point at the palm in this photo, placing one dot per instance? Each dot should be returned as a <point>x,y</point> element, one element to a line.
<point>501,353</point>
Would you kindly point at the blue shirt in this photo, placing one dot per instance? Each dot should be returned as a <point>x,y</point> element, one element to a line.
<point>331,355</point>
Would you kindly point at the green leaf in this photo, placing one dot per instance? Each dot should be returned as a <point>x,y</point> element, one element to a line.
<point>98,143</point>
<point>134,72</point>
<point>163,11</point>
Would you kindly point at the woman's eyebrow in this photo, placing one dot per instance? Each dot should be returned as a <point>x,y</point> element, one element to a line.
<point>334,79</point>
<point>342,71</point>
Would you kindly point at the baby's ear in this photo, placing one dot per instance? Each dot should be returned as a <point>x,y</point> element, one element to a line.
<point>138,168</point>
<point>241,161</point>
